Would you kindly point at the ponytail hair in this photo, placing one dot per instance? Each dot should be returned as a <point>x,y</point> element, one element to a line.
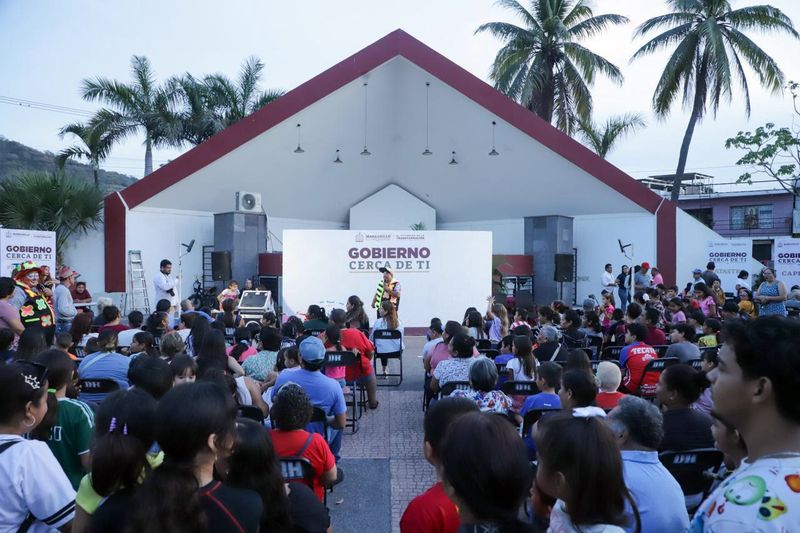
<point>228,317</point>
<point>60,371</point>
<point>242,337</point>
<point>334,336</point>
<point>169,499</point>
<point>145,338</point>
<point>123,433</point>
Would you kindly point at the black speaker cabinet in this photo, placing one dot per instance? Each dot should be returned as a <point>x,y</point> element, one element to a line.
<point>221,266</point>
<point>565,264</point>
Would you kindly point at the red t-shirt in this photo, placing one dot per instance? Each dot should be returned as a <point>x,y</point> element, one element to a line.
<point>289,443</point>
<point>431,512</point>
<point>608,400</point>
<point>354,339</point>
<point>635,357</point>
<point>655,337</point>
<point>116,328</point>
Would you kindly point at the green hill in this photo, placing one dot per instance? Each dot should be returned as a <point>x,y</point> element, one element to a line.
<point>16,158</point>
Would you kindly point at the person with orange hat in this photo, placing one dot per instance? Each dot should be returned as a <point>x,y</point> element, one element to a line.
<point>31,302</point>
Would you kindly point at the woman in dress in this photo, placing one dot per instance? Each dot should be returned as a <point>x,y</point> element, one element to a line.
<point>771,295</point>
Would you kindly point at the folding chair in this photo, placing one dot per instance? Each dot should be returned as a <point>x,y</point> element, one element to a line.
<point>596,345</point>
<point>596,364</point>
<point>299,470</point>
<point>483,344</point>
<point>252,412</point>
<point>448,388</point>
<point>710,349</point>
<point>693,470</point>
<point>353,399</point>
<point>697,364</point>
<point>318,420</point>
<point>98,386</point>
<point>590,352</point>
<point>520,388</point>
<point>657,366</point>
<point>312,332</point>
<point>533,416</point>
<point>491,354</point>
<point>388,334</point>
<point>611,352</point>
<point>661,350</point>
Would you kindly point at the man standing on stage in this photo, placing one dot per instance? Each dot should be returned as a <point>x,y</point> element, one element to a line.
<point>166,284</point>
<point>388,289</point>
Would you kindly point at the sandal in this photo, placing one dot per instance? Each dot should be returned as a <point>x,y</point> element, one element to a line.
<point>375,405</point>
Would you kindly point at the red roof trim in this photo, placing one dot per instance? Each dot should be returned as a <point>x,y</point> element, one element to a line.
<point>392,45</point>
<point>114,213</point>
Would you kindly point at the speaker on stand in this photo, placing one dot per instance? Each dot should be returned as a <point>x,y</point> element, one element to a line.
<point>221,266</point>
<point>565,265</point>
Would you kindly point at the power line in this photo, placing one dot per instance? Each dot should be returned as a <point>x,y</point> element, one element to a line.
<point>43,106</point>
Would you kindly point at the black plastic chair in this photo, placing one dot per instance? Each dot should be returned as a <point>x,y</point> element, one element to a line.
<point>448,388</point>
<point>252,412</point>
<point>520,388</point>
<point>533,416</point>
<point>595,364</point>
<point>312,332</point>
<point>697,364</point>
<point>98,386</point>
<point>693,469</point>
<point>661,350</point>
<point>611,352</point>
<point>483,344</point>
<point>318,416</point>
<point>299,470</point>
<point>354,399</point>
<point>658,366</point>
<point>388,334</point>
<point>490,353</point>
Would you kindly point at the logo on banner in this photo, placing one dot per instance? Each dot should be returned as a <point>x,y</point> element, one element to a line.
<point>359,237</point>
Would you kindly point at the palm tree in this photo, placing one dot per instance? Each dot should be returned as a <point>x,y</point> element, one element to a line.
<point>543,66</point>
<point>709,49</point>
<point>134,107</point>
<point>233,101</point>
<point>95,147</point>
<point>602,138</point>
<point>208,106</point>
<point>50,202</point>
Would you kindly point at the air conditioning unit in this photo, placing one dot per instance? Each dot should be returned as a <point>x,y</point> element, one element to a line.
<point>248,202</point>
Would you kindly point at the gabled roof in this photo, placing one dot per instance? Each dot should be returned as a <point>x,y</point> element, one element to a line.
<point>397,43</point>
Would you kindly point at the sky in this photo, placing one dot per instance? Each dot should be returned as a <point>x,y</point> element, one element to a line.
<point>49,46</point>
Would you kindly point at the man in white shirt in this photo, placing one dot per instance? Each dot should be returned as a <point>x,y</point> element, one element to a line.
<point>608,280</point>
<point>166,284</point>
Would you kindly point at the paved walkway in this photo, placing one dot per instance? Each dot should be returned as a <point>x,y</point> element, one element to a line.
<point>383,463</point>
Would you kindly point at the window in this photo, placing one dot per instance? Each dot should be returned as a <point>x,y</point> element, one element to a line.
<point>751,217</point>
<point>704,215</point>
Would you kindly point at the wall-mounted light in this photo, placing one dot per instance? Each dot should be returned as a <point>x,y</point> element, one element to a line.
<point>453,159</point>
<point>338,159</point>
<point>298,150</point>
<point>494,151</point>
<point>427,118</point>
<point>365,151</point>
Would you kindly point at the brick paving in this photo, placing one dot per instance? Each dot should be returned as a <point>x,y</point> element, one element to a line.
<point>393,432</point>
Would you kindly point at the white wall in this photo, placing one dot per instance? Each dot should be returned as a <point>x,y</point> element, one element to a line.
<point>158,234</point>
<point>85,255</point>
<point>277,225</point>
<point>508,235</point>
<point>595,237</point>
<point>391,208</point>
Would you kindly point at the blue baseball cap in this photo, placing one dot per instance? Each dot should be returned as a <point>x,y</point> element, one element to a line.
<point>312,350</point>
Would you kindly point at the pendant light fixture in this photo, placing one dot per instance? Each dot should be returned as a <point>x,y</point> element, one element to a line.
<point>337,160</point>
<point>427,118</point>
<point>365,151</point>
<point>453,159</point>
<point>494,151</point>
<point>298,150</point>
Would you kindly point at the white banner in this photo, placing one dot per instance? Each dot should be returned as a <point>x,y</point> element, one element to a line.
<point>786,257</point>
<point>20,245</point>
<point>441,273</point>
<point>730,256</point>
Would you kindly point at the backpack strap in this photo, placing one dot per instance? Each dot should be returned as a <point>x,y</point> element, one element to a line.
<point>305,446</point>
<point>8,444</point>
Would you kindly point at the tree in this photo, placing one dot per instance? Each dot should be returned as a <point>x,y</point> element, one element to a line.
<point>602,138</point>
<point>210,105</point>
<point>135,107</point>
<point>543,66</point>
<point>709,51</point>
<point>772,152</point>
<point>96,145</point>
<point>50,201</point>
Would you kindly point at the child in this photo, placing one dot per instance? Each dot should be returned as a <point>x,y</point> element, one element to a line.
<point>607,310</point>
<point>231,293</point>
<point>609,376</point>
<point>523,366</point>
<point>332,339</point>
<point>580,464</point>
<point>696,319</point>
<point>184,370</point>
<point>746,306</point>
<point>520,318</point>
<point>548,379</point>
<point>711,329</point>
<point>506,354</point>
<point>704,403</point>
<point>676,311</point>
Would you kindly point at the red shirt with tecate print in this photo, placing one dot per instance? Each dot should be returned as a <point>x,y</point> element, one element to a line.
<point>634,357</point>
<point>431,512</point>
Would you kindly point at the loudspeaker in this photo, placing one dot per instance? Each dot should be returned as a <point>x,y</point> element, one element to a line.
<point>564,266</point>
<point>221,266</point>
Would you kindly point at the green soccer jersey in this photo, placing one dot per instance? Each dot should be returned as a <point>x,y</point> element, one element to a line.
<point>71,437</point>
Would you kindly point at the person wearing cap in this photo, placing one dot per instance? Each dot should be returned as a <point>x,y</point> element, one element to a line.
<point>63,305</point>
<point>388,289</point>
<point>31,301</point>
<point>642,279</point>
<point>324,392</point>
<point>697,276</point>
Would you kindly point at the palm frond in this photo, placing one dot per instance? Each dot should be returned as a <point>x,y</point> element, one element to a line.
<point>761,18</point>
<point>589,63</point>
<point>592,26</point>
<point>669,20</point>
<point>769,74</point>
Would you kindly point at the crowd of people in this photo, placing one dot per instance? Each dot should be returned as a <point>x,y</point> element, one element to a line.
<point>549,419</point>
